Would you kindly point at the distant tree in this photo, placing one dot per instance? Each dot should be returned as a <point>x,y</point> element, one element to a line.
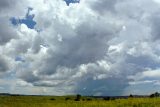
<point>106,98</point>
<point>156,94</point>
<point>131,96</point>
<point>151,96</point>
<point>78,97</point>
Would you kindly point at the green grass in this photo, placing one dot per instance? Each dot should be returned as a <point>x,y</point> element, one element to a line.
<point>45,101</point>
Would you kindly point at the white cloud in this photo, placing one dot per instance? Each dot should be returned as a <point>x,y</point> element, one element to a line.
<point>101,47</point>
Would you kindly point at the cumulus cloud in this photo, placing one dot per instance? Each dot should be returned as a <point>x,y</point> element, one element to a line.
<point>7,31</point>
<point>103,6</point>
<point>92,48</point>
<point>3,65</point>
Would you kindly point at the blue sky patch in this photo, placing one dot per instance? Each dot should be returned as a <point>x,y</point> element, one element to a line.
<point>19,59</point>
<point>71,1</point>
<point>28,20</point>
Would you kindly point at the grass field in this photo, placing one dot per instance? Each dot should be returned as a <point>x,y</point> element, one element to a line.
<point>49,101</point>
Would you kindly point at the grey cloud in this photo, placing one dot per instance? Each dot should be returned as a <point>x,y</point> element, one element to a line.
<point>103,6</point>
<point>90,42</point>
<point>22,46</point>
<point>88,45</point>
<point>4,67</point>
<point>37,42</point>
<point>11,8</point>
<point>143,61</point>
<point>27,76</point>
<point>110,86</point>
<point>136,9</point>
<point>7,32</point>
<point>5,4</point>
<point>124,44</point>
<point>8,9</point>
<point>155,24</point>
<point>100,81</point>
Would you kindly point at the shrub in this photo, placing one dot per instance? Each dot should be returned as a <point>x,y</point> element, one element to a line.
<point>89,99</point>
<point>106,98</point>
<point>52,99</point>
<point>67,98</point>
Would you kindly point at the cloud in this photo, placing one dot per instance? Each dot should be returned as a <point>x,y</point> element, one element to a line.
<point>92,48</point>
<point>103,6</point>
<point>7,4</point>
<point>3,64</point>
<point>155,25</point>
<point>7,31</point>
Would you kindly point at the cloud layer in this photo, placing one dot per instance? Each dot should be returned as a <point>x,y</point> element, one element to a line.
<point>106,47</point>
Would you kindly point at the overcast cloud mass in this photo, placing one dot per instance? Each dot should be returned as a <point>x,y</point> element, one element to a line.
<point>90,47</point>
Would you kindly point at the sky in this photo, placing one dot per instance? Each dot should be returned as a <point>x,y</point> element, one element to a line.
<point>88,47</point>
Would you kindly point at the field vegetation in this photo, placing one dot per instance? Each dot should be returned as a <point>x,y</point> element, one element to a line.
<point>76,101</point>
